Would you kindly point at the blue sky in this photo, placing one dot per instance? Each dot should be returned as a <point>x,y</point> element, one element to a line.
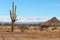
<point>32,8</point>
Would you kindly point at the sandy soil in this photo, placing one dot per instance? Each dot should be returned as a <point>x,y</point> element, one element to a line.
<point>29,36</point>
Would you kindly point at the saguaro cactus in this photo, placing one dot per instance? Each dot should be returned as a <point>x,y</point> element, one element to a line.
<point>13,15</point>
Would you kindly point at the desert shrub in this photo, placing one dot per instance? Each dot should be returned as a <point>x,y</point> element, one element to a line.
<point>54,28</point>
<point>41,29</point>
<point>6,24</point>
<point>44,26</point>
<point>0,24</point>
<point>23,28</point>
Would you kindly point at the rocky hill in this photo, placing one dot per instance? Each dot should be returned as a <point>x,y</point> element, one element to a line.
<point>52,22</point>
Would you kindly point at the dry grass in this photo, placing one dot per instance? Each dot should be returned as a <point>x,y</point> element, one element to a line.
<point>29,34</point>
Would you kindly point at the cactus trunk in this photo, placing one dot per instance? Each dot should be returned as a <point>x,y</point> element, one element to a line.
<point>12,26</point>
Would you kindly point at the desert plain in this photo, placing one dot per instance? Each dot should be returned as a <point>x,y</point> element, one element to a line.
<point>6,34</point>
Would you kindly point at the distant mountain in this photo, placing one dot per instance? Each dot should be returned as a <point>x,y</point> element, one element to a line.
<point>52,21</point>
<point>28,22</point>
<point>21,22</point>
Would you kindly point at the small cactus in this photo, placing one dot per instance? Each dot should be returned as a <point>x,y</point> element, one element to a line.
<point>13,15</point>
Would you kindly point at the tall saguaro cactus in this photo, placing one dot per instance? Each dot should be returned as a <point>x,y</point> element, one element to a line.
<point>13,15</point>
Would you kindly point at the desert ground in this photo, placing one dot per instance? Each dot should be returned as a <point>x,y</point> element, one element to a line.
<point>6,34</point>
<point>29,36</point>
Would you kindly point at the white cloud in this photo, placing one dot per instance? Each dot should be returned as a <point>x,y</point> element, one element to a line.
<point>4,19</point>
<point>22,19</point>
<point>31,20</point>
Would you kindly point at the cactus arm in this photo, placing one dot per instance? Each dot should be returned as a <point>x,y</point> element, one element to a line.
<point>10,14</point>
